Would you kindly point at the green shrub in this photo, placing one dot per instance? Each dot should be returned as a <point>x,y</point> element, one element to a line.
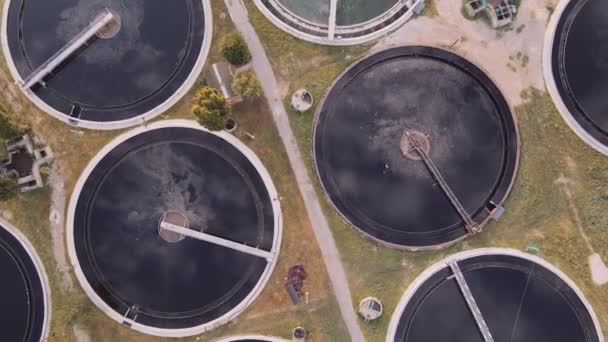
<point>246,84</point>
<point>211,108</point>
<point>235,49</point>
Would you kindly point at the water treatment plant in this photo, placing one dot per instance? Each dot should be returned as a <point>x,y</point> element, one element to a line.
<point>303,171</point>
<point>105,64</point>
<point>416,147</point>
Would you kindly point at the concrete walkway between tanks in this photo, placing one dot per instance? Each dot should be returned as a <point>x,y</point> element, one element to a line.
<point>261,66</point>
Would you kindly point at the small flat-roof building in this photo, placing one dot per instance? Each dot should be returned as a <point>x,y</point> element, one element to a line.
<point>500,12</point>
<point>24,162</point>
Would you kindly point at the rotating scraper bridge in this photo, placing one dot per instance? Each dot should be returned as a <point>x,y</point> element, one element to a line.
<point>470,225</point>
<point>105,18</point>
<point>200,235</point>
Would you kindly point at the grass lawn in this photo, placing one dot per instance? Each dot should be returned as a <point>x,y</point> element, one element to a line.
<point>539,211</point>
<point>272,313</point>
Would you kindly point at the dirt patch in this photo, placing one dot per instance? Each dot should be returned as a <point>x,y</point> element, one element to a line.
<point>571,164</point>
<point>599,270</point>
<point>284,88</point>
<point>477,41</point>
<point>7,214</point>
<point>81,334</point>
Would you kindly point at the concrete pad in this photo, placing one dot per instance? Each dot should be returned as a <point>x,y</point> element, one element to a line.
<point>599,270</point>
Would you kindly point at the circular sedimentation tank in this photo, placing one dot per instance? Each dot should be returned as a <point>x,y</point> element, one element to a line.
<point>378,110</point>
<point>520,298</point>
<point>575,67</point>
<point>353,22</point>
<point>25,297</point>
<point>133,68</point>
<point>174,230</point>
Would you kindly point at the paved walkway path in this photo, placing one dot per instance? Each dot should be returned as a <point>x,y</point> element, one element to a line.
<point>261,66</point>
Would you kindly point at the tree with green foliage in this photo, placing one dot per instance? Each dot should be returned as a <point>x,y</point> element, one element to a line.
<point>8,189</point>
<point>235,49</point>
<point>246,84</point>
<point>211,108</point>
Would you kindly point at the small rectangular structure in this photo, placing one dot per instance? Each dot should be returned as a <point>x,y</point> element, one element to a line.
<point>220,76</point>
<point>468,296</point>
<point>500,12</point>
<point>67,50</point>
<point>24,162</point>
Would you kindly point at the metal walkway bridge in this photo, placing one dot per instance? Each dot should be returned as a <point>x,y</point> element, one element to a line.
<point>241,247</point>
<point>471,303</point>
<point>100,21</point>
<point>471,226</point>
